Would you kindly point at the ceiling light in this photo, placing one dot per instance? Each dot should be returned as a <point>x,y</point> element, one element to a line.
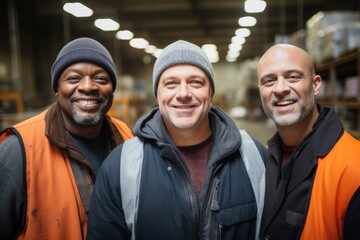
<point>213,56</point>
<point>150,49</point>
<point>238,40</point>
<point>230,59</point>
<point>244,32</point>
<point>77,9</point>
<point>234,54</point>
<point>139,43</point>
<point>209,47</point>
<point>247,21</point>
<point>107,24</point>
<point>254,6</point>
<point>124,35</point>
<point>235,47</point>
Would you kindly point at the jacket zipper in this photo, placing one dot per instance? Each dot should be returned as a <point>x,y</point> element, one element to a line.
<point>189,192</point>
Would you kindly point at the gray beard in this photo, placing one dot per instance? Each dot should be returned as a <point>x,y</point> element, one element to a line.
<point>84,119</point>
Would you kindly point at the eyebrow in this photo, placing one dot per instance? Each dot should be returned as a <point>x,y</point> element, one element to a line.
<point>295,71</point>
<point>283,73</point>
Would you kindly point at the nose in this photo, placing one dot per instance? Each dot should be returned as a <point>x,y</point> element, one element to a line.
<point>281,86</point>
<point>87,85</point>
<point>183,90</point>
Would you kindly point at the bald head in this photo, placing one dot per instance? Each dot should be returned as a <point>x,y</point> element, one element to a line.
<point>286,52</point>
<point>288,87</point>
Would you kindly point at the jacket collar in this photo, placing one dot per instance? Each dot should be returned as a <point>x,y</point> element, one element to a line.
<point>320,140</point>
<point>304,159</point>
<point>226,135</point>
<point>63,139</point>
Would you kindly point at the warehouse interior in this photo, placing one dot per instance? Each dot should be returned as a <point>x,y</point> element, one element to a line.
<point>35,30</point>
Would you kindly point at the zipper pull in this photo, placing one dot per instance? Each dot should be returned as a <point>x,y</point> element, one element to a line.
<point>214,195</point>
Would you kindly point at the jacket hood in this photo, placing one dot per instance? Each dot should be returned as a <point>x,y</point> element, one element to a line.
<point>226,135</point>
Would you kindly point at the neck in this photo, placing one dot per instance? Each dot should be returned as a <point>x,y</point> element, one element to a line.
<point>293,135</point>
<point>190,137</point>
<point>86,131</point>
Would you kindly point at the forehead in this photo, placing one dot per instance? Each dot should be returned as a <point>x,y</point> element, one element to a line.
<point>181,70</point>
<point>283,59</point>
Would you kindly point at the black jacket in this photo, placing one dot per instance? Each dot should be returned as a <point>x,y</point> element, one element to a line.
<point>289,187</point>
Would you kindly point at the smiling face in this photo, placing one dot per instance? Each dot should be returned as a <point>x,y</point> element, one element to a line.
<point>184,96</point>
<point>288,85</point>
<point>85,94</point>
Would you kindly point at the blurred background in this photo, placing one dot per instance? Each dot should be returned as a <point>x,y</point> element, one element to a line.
<point>236,33</point>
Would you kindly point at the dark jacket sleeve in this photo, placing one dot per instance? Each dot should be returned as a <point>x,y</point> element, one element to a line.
<point>352,218</point>
<point>106,217</point>
<point>12,188</point>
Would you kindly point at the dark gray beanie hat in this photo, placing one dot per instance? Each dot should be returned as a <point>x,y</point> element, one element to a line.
<point>182,52</point>
<point>82,50</point>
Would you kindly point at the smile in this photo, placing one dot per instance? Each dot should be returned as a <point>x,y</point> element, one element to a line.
<point>284,103</point>
<point>183,107</point>
<point>88,102</point>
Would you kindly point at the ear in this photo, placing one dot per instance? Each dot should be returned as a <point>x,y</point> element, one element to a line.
<point>57,94</point>
<point>317,84</point>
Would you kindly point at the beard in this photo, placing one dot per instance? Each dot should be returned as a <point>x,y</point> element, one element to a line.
<point>87,119</point>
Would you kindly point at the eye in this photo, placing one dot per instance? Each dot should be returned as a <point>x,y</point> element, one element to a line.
<point>73,78</point>
<point>102,79</point>
<point>294,77</point>
<point>196,83</point>
<point>268,81</point>
<point>170,84</point>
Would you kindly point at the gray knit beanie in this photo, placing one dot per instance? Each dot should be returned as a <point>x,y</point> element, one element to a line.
<point>82,50</point>
<point>182,52</point>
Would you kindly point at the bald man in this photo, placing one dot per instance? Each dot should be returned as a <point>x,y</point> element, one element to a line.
<point>313,173</point>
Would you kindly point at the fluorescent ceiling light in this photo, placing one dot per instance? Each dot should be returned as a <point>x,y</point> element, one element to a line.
<point>209,48</point>
<point>150,49</point>
<point>244,32</point>
<point>235,47</point>
<point>107,24</point>
<point>238,40</point>
<point>213,56</point>
<point>77,9</point>
<point>230,59</point>
<point>233,54</point>
<point>254,6</point>
<point>247,21</point>
<point>214,59</point>
<point>139,43</point>
<point>124,35</point>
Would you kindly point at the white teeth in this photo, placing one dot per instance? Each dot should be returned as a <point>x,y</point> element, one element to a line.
<point>282,103</point>
<point>87,102</point>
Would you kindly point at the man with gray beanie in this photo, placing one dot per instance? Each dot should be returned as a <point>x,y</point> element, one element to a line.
<point>48,163</point>
<point>189,173</point>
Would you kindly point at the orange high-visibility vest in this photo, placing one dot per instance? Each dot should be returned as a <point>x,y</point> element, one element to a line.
<point>337,178</point>
<point>54,207</point>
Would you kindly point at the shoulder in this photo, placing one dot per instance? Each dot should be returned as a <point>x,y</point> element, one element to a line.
<point>260,147</point>
<point>111,163</point>
<point>10,152</point>
<point>124,129</point>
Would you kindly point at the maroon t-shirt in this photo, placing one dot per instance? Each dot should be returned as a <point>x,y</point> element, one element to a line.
<point>196,158</point>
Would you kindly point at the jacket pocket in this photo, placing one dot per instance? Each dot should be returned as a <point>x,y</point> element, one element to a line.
<point>236,214</point>
<point>236,221</point>
<point>295,219</point>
